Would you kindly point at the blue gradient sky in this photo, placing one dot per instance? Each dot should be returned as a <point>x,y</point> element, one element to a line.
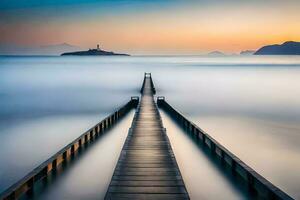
<point>151,26</point>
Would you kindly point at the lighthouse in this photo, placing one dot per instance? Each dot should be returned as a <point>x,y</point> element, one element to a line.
<point>98,47</point>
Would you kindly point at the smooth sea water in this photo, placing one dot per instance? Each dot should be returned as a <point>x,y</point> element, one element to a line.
<point>249,104</point>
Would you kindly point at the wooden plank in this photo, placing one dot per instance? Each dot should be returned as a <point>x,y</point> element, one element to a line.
<point>147,189</point>
<point>149,196</point>
<point>146,178</point>
<point>147,167</point>
<point>147,183</point>
<point>141,173</point>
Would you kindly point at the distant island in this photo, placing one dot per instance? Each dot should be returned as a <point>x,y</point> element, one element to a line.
<point>287,48</point>
<point>94,52</point>
<point>247,52</point>
<point>216,53</point>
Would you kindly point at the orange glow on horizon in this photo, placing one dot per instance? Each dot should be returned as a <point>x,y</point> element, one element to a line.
<point>180,31</point>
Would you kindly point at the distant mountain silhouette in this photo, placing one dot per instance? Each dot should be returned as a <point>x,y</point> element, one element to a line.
<point>287,48</point>
<point>93,52</point>
<point>56,49</point>
<point>216,53</point>
<point>247,52</point>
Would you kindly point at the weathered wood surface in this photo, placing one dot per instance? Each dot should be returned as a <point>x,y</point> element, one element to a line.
<point>147,168</point>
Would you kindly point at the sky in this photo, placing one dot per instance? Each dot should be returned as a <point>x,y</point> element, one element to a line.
<point>151,27</point>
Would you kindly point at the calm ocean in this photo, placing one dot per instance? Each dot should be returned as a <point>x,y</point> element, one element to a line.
<point>250,104</point>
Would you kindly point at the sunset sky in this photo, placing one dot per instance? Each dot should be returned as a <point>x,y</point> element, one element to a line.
<point>151,27</point>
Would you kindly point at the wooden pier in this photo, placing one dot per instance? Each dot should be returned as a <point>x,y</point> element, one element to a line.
<point>147,167</point>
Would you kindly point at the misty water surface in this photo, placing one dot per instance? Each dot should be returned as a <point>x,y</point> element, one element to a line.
<point>249,104</point>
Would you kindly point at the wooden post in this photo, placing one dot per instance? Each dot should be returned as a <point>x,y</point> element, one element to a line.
<point>85,138</point>
<point>65,155</point>
<point>54,164</point>
<point>101,127</point>
<point>91,135</point>
<point>30,185</point>
<point>72,149</point>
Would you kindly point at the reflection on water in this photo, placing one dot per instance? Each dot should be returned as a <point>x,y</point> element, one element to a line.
<point>28,143</point>
<point>250,104</point>
<point>272,148</point>
<point>88,175</point>
<point>202,173</point>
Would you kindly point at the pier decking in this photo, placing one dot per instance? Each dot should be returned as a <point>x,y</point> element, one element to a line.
<point>147,167</point>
